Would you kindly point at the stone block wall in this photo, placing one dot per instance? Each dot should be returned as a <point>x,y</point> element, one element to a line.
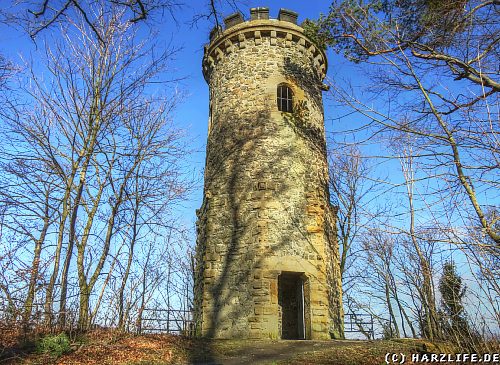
<point>266,207</point>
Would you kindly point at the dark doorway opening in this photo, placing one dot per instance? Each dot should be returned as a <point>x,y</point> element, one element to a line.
<point>291,300</point>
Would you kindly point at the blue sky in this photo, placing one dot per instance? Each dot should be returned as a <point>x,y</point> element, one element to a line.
<point>190,38</point>
<point>192,113</point>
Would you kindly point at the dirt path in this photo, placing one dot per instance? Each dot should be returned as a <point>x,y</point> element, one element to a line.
<point>262,352</point>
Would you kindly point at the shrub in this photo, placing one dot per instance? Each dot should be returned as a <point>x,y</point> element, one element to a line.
<point>54,345</point>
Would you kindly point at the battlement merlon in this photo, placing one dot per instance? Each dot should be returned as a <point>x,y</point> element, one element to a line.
<point>280,32</point>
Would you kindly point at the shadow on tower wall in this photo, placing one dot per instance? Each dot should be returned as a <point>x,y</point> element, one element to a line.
<point>247,166</point>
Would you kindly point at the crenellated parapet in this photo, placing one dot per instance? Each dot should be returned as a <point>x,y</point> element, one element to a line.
<point>267,260</point>
<point>281,32</point>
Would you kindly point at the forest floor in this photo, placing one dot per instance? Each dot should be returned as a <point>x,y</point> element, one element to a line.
<point>110,348</point>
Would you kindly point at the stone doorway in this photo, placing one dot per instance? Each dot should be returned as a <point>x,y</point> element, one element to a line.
<point>292,304</point>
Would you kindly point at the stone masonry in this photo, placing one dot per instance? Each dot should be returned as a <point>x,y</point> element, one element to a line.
<point>266,242</point>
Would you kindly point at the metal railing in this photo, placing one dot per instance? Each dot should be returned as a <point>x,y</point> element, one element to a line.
<point>360,323</point>
<point>176,321</point>
<point>152,320</point>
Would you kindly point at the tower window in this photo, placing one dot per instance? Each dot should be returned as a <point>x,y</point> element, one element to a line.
<point>285,99</point>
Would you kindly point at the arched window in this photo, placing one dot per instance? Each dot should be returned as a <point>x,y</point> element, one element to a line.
<point>285,99</point>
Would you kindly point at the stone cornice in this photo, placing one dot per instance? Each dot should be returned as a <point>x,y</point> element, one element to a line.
<point>269,30</point>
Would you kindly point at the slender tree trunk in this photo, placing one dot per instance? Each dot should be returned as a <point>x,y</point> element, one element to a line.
<point>121,299</point>
<point>390,309</point>
<point>121,311</point>
<point>35,265</point>
<point>69,254</point>
<point>404,315</point>
<point>142,306</point>
<point>105,284</point>
<point>87,152</point>
<point>82,279</point>
<point>49,294</point>
<point>430,329</point>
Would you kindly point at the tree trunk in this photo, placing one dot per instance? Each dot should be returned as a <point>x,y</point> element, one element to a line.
<point>49,294</point>
<point>390,309</point>
<point>404,315</point>
<point>28,304</point>
<point>69,254</point>
<point>121,311</point>
<point>83,317</point>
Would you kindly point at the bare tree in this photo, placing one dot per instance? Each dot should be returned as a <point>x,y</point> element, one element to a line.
<point>430,323</point>
<point>215,9</point>
<point>104,152</point>
<point>29,195</point>
<point>38,16</point>
<point>6,71</point>
<point>426,53</point>
<point>353,187</point>
<point>379,250</point>
<point>432,83</point>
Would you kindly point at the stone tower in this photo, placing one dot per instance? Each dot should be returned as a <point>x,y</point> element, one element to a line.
<point>267,261</point>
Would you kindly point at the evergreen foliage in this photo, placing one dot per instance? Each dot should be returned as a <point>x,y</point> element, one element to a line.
<point>55,345</point>
<point>454,321</point>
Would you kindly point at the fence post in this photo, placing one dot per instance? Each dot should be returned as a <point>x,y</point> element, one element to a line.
<point>168,320</point>
<point>373,331</point>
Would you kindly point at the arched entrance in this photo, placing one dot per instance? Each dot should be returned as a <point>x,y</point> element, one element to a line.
<point>293,301</point>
